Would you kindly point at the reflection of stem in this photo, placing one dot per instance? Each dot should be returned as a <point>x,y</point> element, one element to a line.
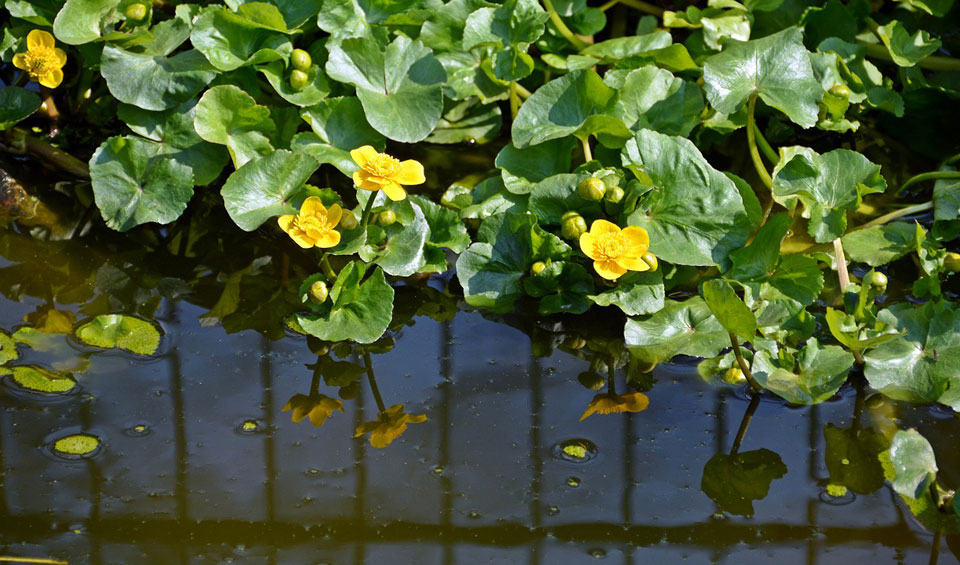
<point>928,176</point>
<point>373,382</point>
<point>858,406</point>
<point>587,153</point>
<point>743,364</point>
<point>315,382</point>
<point>744,424</point>
<point>842,273</point>
<point>562,27</point>
<point>611,386</point>
<point>368,208</point>
<point>514,100</point>
<point>935,548</point>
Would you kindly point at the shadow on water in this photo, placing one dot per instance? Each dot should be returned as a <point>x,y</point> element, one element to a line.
<point>457,438</point>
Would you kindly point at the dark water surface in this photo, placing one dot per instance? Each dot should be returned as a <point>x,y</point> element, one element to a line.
<point>200,464</point>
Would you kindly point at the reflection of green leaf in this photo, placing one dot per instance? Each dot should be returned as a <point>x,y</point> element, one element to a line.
<point>924,364</point>
<point>735,481</point>
<point>562,287</point>
<point>680,328</point>
<point>694,213</point>
<point>16,104</point>
<point>822,371</point>
<point>38,379</point>
<point>914,464</point>
<point>134,183</point>
<point>266,187</point>
<point>227,115</point>
<point>122,332</point>
<point>853,458</point>
<point>400,85</point>
<point>154,82</point>
<point>360,312</point>
<point>337,373</point>
<point>776,67</point>
<point>8,348</point>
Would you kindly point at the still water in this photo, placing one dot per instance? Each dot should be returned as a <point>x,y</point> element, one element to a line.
<point>199,462</point>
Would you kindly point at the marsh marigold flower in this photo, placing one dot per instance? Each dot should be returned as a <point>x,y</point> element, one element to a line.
<point>389,425</point>
<point>314,225</point>
<point>615,251</point>
<point>318,407</point>
<point>42,61</point>
<point>379,171</point>
<point>607,403</point>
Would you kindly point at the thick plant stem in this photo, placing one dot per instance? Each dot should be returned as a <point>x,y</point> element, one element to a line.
<point>743,364</point>
<point>514,100</point>
<point>842,273</point>
<point>368,208</point>
<point>934,175</point>
<point>587,153</point>
<point>745,424</point>
<point>752,142</point>
<point>326,268</point>
<point>768,151</point>
<point>932,62</point>
<point>562,27</point>
<point>523,92</point>
<point>644,7</point>
<point>896,214</point>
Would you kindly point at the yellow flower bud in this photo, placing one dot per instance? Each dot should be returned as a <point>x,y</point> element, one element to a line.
<point>348,220</point>
<point>135,12</point>
<point>614,195</point>
<point>301,60</point>
<point>840,91</point>
<point>734,376</point>
<point>951,263</point>
<point>591,189</point>
<point>651,260</point>
<point>387,218</point>
<point>573,227</point>
<point>319,292</point>
<point>538,268</point>
<point>298,79</point>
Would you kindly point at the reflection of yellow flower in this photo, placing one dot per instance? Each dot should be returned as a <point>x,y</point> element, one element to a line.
<point>43,60</point>
<point>389,425</point>
<point>379,171</point>
<point>314,225</point>
<point>615,251</point>
<point>607,403</point>
<point>318,407</point>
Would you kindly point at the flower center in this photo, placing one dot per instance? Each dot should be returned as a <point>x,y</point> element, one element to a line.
<point>383,165</point>
<point>611,245</point>
<point>41,62</point>
<point>316,222</point>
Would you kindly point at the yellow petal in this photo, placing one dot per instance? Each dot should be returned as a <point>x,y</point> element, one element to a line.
<point>609,270</point>
<point>328,238</point>
<point>52,79</point>
<point>385,434</point>
<point>362,179</point>
<point>285,221</point>
<point>394,191</point>
<point>639,239</point>
<point>416,418</point>
<point>588,242</point>
<point>61,56</point>
<point>362,155</point>
<point>602,226</point>
<point>632,263</point>
<point>366,428</point>
<point>598,402</point>
<point>39,39</point>
<point>20,61</point>
<point>634,401</point>
<point>301,239</point>
<point>333,216</point>
<point>411,172</point>
<point>312,205</point>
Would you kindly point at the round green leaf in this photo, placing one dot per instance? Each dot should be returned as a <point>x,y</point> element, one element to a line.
<point>16,104</point>
<point>80,21</point>
<point>121,332</point>
<point>680,328</point>
<point>154,82</point>
<point>636,293</point>
<point>914,463</point>
<point>823,370</point>
<point>360,312</point>
<point>38,379</point>
<point>523,168</point>
<point>267,187</point>
<point>729,310</point>
<point>316,89</point>
<point>227,115</point>
<point>231,40</point>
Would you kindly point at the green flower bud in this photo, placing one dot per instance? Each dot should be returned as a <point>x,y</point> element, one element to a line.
<point>734,376</point>
<point>592,380</point>
<point>614,195</point>
<point>591,189</point>
<point>569,214</point>
<point>840,91</point>
<point>573,227</point>
<point>301,60</point>
<point>877,280</point>
<point>387,218</point>
<point>538,268</point>
<point>319,292</point>
<point>951,263</point>
<point>350,391</point>
<point>298,79</point>
<point>135,12</point>
<point>348,221</point>
<point>575,342</point>
<point>651,260</point>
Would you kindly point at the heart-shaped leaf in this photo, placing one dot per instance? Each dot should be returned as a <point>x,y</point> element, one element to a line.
<point>154,82</point>
<point>358,311</point>
<point>680,328</point>
<point>267,187</point>
<point>80,21</point>
<point>227,115</point>
<point>16,104</point>
<point>822,371</point>
<point>914,463</point>
<point>250,36</point>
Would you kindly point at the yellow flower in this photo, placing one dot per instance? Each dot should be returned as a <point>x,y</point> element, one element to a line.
<point>607,403</point>
<point>615,251</point>
<point>43,60</point>
<point>314,225</point>
<point>389,425</point>
<point>379,171</point>
<point>317,407</point>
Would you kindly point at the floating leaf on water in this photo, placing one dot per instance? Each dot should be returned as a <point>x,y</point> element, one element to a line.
<point>8,348</point>
<point>38,379</point>
<point>122,332</point>
<point>76,445</point>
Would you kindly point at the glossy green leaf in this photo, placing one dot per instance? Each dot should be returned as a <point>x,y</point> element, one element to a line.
<point>400,85</point>
<point>120,332</point>
<point>828,185</point>
<point>154,82</point>
<point>402,254</point>
<point>577,104</point>
<point>652,98</point>
<point>515,22</point>
<point>522,169</point>
<point>694,213</point>
<point>759,259</point>
<point>905,49</point>
<point>879,245</point>
<point>358,312</point>
<point>619,48</point>
<point>79,21</point>
<point>135,182</point>
<point>636,294</point>
<point>227,115</point>
<point>267,187</point>
<point>317,87</point>
<point>231,40</point>
<point>821,372</point>
<point>552,197</point>
<point>467,121</point>
<point>735,481</point>
<point>938,8</point>
<point>946,199</point>
<point>444,30</point>
<point>446,229</point>
<point>729,310</point>
<point>680,328</point>
<point>562,287</point>
<point>491,270</point>
<point>914,463</point>
<point>923,365</point>
<point>776,67</point>
<point>16,104</point>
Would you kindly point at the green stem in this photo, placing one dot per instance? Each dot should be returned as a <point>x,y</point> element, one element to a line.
<point>587,154</point>
<point>644,7</point>
<point>609,5</point>
<point>562,27</point>
<point>745,424</point>
<point>514,100</point>
<point>373,382</point>
<point>768,151</point>
<point>932,62</point>
<point>326,268</point>
<point>842,273</point>
<point>752,142</point>
<point>909,210</point>
<point>523,92</point>
<point>928,176</point>
<point>368,208</point>
<point>743,364</point>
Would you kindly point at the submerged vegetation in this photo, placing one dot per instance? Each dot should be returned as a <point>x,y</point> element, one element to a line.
<point>768,186</point>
